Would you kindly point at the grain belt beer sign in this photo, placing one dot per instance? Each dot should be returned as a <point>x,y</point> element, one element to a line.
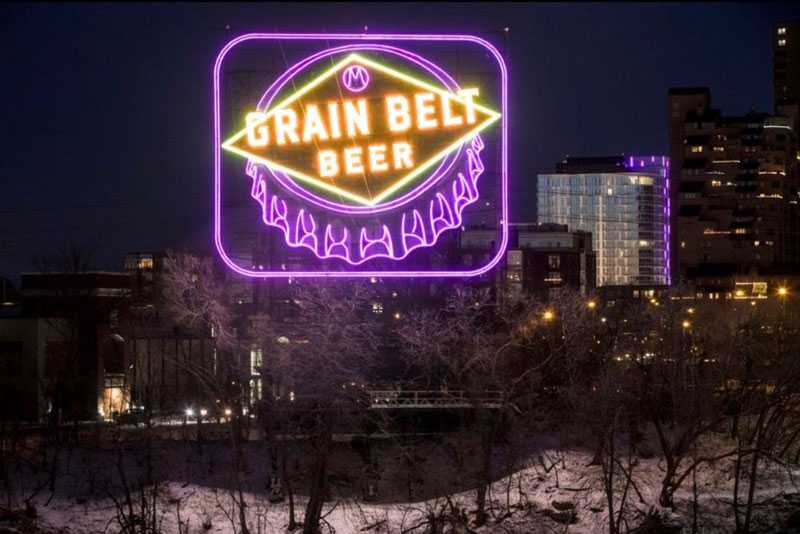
<point>360,155</point>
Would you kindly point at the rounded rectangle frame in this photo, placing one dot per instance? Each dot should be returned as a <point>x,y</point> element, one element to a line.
<point>449,273</point>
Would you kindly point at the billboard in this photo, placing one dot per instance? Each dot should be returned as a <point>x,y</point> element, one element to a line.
<point>359,155</point>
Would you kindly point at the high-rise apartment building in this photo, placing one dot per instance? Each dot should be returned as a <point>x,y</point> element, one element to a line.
<point>735,189</point>
<point>786,62</point>
<point>786,70</point>
<point>624,203</point>
<point>680,102</point>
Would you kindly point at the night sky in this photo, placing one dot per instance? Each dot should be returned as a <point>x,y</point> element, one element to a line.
<point>106,109</point>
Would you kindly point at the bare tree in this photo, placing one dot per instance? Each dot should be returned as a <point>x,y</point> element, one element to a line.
<point>77,321</point>
<point>768,426</point>
<point>198,297</point>
<point>493,355</point>
<point>677,362</point>
<point>323,361</point>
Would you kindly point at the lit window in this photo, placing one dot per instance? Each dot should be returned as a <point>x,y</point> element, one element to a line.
<point>553,277</point>
<point>715,183</point>
<point>610,191</point>
<point>377,307</point>
<point>740,231</point>
<point>256,361</point>
<point>781,42</point>
<point>255,390</point>
<point>115,393</point>
<point>719,149</point>
<point>696,148</point>
<point>782,31</point>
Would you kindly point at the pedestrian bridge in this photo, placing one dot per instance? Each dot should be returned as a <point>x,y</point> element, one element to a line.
<point>432,399</point>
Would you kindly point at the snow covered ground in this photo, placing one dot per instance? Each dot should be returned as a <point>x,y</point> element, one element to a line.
<point>539,494</point>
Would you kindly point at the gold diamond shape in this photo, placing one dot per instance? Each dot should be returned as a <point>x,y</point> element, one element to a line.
<point>398,183</point>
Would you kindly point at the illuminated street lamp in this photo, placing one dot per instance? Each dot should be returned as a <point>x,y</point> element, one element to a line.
<point>782,291</point>
<point>690,311</point>
<point>591,304</point>
<point>686,324</point>
<point>548,315</point>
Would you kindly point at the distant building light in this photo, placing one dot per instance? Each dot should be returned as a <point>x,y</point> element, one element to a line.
<point>782,30</point>
<point>781,42</point>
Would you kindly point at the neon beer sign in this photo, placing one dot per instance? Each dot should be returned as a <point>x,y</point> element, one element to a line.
<point>364,153</point>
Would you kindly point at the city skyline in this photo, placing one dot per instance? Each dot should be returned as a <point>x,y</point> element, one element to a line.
<point>101,190</point>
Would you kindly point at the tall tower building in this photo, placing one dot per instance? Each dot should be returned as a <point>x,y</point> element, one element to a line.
<point>786,70</point>
<point>735,192</point>
<point>680,102</point>
<point>624,203</point>
<point>786,62</point>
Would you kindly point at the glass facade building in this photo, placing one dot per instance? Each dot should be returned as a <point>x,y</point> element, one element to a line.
<point>624,203</point>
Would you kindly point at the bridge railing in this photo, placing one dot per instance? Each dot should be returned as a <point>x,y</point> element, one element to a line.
<point>390,398</point>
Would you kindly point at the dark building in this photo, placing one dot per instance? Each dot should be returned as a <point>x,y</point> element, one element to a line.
<point>548,256</point>
<point>539,258</point>
<point>786,69</point>
<point>680,101</point>
<point>735,210</point>
<point>60,351</point>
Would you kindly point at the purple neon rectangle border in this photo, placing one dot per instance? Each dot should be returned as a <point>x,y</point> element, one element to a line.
<point>361,274</point>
